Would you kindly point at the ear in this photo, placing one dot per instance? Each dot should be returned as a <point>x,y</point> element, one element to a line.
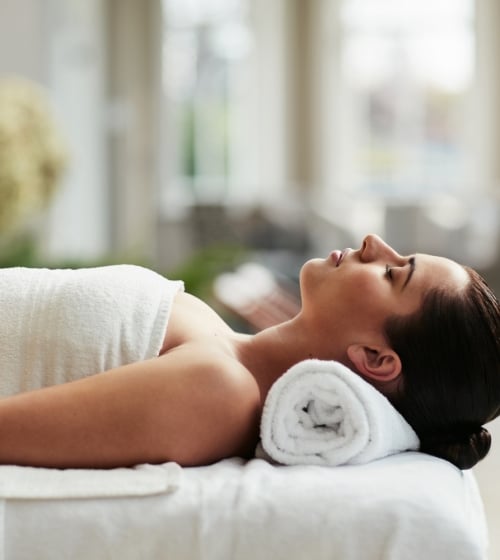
<point>378,363</point>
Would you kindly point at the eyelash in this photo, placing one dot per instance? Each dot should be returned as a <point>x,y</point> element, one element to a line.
<point>388,271</point>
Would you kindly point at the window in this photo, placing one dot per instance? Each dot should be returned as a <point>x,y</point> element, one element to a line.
<point>406,72</point>
<point>206,46</point>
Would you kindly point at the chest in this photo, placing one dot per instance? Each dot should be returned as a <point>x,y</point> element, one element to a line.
<point>190,320</point>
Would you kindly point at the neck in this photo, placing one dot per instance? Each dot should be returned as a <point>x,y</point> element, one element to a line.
<point>271,352</point>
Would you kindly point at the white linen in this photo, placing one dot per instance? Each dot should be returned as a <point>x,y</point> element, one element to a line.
<point>322,413</point>
<point>36,483</point>
<point>60,325</point>
<point>409,506</point>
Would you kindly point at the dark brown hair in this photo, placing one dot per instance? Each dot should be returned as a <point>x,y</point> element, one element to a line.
<point>450,352</point>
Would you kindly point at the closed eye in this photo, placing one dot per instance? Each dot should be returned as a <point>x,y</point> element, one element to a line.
<point>388,271</point>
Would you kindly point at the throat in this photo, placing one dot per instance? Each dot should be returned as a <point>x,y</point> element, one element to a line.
<point>269,354</point>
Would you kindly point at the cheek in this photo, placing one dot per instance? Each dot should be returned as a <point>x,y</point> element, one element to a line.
<point>367,299</point>
<point>367,286</point>
<point>362,308</point>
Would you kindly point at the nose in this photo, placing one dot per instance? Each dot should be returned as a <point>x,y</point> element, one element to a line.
<point>374,247</point>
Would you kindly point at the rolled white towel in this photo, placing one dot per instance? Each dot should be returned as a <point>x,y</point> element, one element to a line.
<point>322,413</point>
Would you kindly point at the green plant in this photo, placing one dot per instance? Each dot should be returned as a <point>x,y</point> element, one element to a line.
<point>32,153</point>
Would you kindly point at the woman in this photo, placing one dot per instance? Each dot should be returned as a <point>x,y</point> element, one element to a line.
<point>422,329</point>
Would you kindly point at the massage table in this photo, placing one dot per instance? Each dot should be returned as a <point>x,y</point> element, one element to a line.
<point>409,506</point>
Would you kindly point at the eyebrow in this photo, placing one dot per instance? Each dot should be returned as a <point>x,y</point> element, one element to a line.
<point>411,262</point>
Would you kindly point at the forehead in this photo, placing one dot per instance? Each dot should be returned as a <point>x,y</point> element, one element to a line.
<point>436,271</point>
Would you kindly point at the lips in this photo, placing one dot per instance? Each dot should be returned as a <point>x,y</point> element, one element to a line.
<point>338,256</point>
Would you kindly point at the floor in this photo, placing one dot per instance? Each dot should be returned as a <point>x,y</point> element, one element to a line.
<point>487,474</point>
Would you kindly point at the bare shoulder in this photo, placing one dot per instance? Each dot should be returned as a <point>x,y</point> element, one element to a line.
<point>219,402</point>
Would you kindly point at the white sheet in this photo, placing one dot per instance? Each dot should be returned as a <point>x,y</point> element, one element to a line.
<point>32,483</point>
<point>405,507</point>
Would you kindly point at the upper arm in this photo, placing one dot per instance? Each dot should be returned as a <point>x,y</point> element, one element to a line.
<point>216,413</point>
<point>193,407</point>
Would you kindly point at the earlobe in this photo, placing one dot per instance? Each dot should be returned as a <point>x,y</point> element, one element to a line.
<point>376,363</point>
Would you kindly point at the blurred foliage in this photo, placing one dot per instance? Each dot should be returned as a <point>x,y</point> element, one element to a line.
<point>32,160</point>
<point>22,250</point>
<point>18,251</point>
<point>198,272</point>
<point>201,269</point>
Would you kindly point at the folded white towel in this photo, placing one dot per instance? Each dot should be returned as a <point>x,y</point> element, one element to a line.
<point>39,483</point>
<point>322,413</point>
<point>61,325</point>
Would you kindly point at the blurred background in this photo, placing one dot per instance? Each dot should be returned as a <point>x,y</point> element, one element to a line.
<point>195,135</point>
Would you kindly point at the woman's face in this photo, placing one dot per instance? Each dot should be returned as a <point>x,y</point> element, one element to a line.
<point>351,293</point>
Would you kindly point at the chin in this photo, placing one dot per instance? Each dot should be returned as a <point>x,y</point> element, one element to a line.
<point>313,264</point>
<point>313,275</point>
<point>314,267</point>
<point>308,270</point>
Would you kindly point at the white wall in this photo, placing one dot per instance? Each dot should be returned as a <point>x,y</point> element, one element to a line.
<point>22,39</point>
<point>78,221</point>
